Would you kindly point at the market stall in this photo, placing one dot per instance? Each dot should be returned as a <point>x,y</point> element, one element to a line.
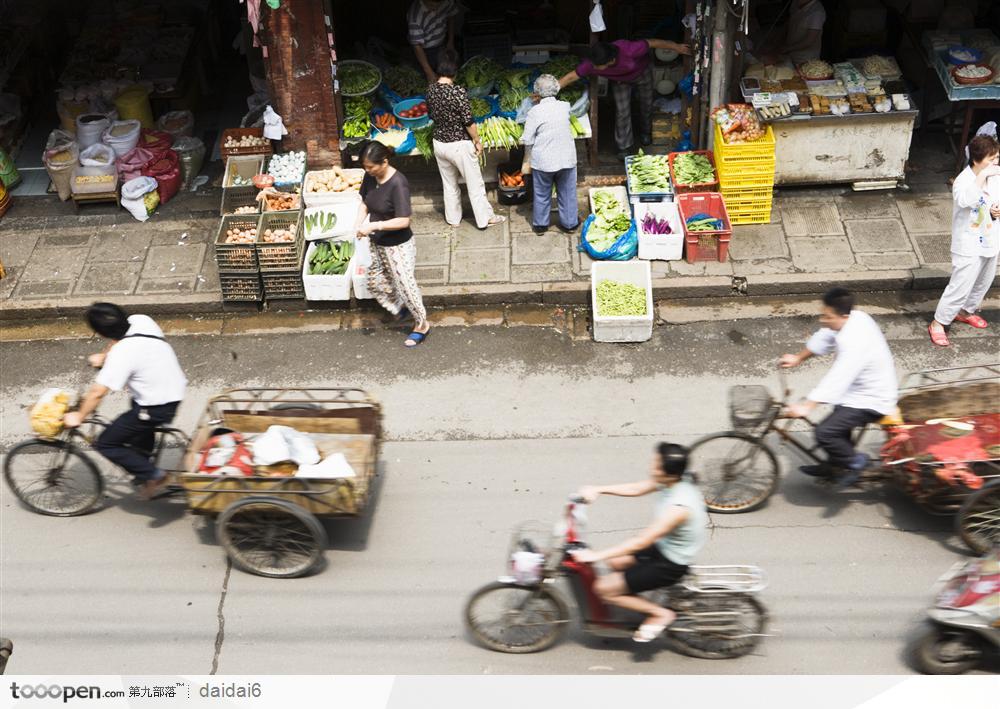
<point>968,66</point>
<point>849,122</point>
<point>388,106</point>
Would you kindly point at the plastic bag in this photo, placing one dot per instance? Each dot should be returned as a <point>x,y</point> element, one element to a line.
<point>165,167</point>
<point>597,18</point>
<point>282,443</point>
<point>625,247</point>
<point>226,455</point>
<point>122,136</point>
<point>98,155</point>
<point>155,141</point>
<point>136,197</point>
<point>90,127</point>
<point>131,163</point>
<point>47,414</point>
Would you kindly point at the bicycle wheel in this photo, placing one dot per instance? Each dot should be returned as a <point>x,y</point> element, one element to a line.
<point>53,478</point>
<point>516,619</point>
<point>719,627</point>
<point>736,472</point>
<point>978,520</point>
<point>271,537</point>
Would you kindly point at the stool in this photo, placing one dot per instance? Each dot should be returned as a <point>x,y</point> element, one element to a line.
<point>95,198</point>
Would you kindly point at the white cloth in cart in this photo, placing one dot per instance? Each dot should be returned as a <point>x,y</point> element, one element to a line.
<point>332,467</point>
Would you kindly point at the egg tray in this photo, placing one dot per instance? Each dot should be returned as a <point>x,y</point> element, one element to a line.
<point>236,257</point>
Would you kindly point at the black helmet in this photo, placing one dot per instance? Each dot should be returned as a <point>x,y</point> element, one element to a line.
<point>108,320</point>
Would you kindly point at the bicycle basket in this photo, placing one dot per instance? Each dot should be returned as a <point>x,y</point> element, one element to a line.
<point>749,405</point>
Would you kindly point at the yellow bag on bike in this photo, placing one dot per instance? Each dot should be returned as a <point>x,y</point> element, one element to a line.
<point>47,413</point>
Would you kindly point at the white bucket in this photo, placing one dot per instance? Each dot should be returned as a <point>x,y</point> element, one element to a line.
<point>127,136</point>
<point>89,128</point>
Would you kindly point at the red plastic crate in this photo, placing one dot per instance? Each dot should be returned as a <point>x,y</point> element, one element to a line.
<point>708,247</point>
<point>705,245</point>
<point>712,186</point>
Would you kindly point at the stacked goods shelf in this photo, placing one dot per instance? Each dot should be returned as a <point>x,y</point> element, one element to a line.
<point>243,167</point>
<point>239,272</point>
<point>281,262</point>
<point>746,177</point>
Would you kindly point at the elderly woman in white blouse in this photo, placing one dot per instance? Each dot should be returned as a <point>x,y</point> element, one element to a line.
<point>551,156</point>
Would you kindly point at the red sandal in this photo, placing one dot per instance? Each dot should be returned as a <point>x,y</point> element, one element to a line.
<point>938,338</point>
<point>975,320</point>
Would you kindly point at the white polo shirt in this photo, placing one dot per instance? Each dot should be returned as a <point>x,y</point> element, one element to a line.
<point>146,366</point>
<point>863,375</point>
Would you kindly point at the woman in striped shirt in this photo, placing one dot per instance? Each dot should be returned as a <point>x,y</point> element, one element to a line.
<point>431,29</point>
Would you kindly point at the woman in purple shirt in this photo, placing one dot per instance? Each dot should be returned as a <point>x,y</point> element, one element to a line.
<point>626,63</point>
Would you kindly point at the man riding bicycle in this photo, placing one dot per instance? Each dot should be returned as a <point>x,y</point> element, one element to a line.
<point>139,359</point>
<point>861,384</point>
<point>659,556</point>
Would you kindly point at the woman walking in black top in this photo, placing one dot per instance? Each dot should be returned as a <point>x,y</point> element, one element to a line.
<point>457,146</point>
<point>384,215</point>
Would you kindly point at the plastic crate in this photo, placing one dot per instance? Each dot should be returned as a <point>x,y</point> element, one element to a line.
<point>282,256</point>
<point>265,149</point>
<point>236,257</point>
<point>751,194</point>
<point>241,286</point>
<point>513,195</point>
<point>678,188</point>
<point>637,197</point>
<point>665,247</point>
<point>326,287</point>
<point>763,148</point>
<point>622,328</point>
<point>706,247</point>
<point>497,47</point>
<point>744,179</point>
<point>234,196</point>
<point>698,242</point>
<point>750,216</point>
<point>283,285</point>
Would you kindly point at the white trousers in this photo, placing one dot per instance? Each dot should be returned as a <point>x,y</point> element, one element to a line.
<point>455,160</point>
<point>971,277</point>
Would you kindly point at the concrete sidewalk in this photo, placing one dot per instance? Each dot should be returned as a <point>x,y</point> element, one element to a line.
<point>59,262</point>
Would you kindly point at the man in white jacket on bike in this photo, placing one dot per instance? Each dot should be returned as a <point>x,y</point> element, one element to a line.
<point>861,384</point>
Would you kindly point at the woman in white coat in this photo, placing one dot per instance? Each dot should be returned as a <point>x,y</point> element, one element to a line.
<point>975,240</point>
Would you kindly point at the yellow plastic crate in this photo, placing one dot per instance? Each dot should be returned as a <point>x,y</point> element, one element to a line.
<point>763,148</point>
<point>757,194</point>
<point>750,216</point>
<point>735,178</point>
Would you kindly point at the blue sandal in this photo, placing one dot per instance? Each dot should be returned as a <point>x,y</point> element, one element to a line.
<point>415,338</point>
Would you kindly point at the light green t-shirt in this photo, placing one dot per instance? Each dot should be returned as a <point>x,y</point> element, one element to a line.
<point>687,539</point>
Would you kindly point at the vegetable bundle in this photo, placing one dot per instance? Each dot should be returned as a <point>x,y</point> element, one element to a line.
<point>405,81</point>
<point>612,220</point>
<point>617,299</point>
<point>499,132</point>
<point>514,89</point>
<point>356,121</point>
<point>693,169</point>
<point>479,72</point>
<point>358,78</point>
<point>331,259</point>
<point>321,222</point>
<point>425,141</point>
<point>481,107</point>
<point>649,173</point>
<point>654,225</point>
<point>560,66</point>
<point>703,222</point>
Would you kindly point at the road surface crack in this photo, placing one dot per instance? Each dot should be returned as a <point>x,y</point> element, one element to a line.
<point>220,635</point>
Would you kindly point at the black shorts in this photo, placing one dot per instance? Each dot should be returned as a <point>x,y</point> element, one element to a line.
<point>652,570</point>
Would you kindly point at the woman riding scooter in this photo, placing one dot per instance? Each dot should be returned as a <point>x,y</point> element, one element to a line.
<point>659,556</point>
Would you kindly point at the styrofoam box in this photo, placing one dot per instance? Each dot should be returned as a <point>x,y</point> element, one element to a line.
<point>619,192</point>
<point>622,328</point>
<point>319,199</point>
<point>347,215</point>
<point>664,247</point>
<point>327,287</point>
<point>359,269</point>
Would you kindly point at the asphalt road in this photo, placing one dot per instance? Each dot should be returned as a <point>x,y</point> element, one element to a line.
<point>486,427</point>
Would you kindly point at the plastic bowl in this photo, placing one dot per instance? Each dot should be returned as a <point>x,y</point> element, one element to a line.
<point>411,122</point>
<point>970,55</point>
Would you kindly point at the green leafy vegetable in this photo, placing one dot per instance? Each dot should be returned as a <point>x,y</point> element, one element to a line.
<point>479,72</point>
<point>617,299</point>
<point>481,107</point>
<point>357,78</point>
<point>405,81</point>
<point>693,169</point>
<point>649,173</point>
<point>612,220</point>
<point>425,141</point>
